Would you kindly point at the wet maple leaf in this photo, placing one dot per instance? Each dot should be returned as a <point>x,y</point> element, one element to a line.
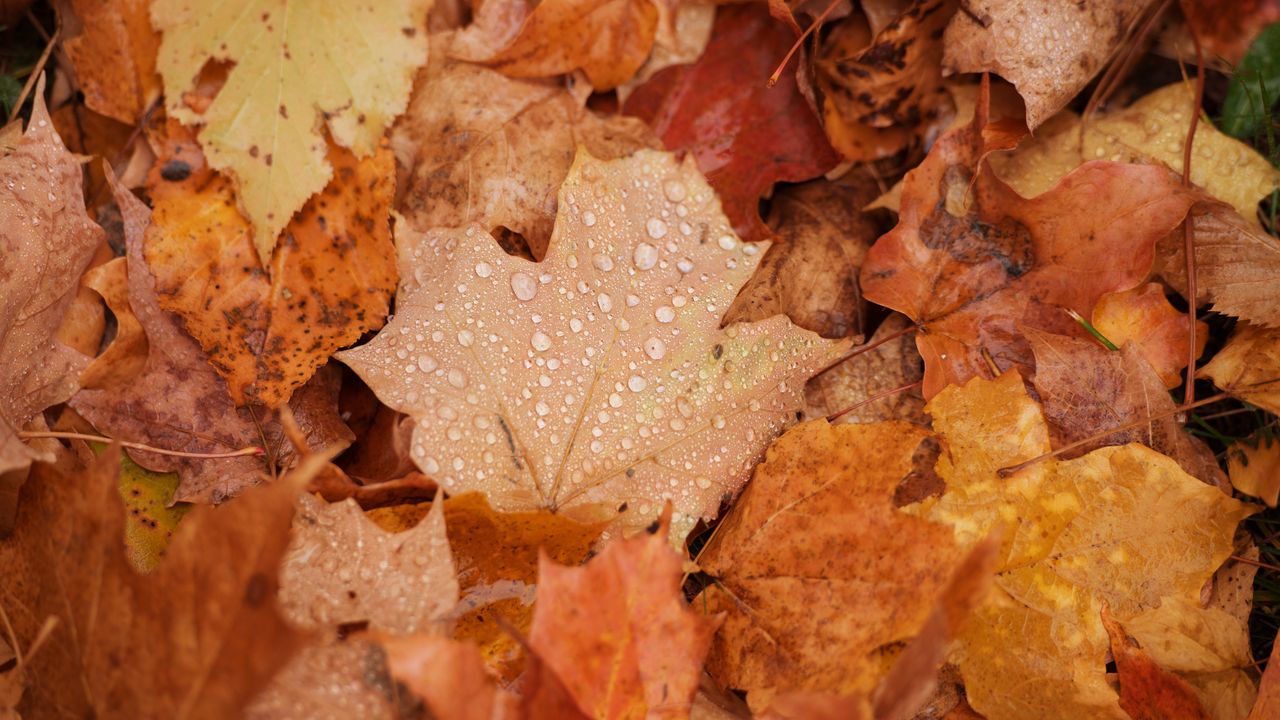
<point>46,242</point>
<point>194,638</point>
<point>596,383</point>
<point>970,259</point>
<point>178,402</point>
<point>1269,689</point>
<point>1248,366</point>
<point>1121,526</point>
<point>1048,50</point>
<point>484,148</point>
<point>294,66</point>
<point>329,280</point>
<point>745,135</point>
<point>636,649</point>
<point>814,537</point>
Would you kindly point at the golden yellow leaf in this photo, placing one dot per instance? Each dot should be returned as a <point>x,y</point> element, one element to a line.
<point>1255,469</point>
<point>1248,366</point>
<point>300,67</point>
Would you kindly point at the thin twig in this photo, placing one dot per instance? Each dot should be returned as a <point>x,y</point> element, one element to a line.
<point>1255,563</point>
<point>873,398</point>
<point>252,450</point>
<point>777,74</point>
<point>1189,242</point>
<point>868,347</point>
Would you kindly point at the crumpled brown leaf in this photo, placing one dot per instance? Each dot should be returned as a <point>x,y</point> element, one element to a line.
<point>892,364</point>
<point>207,616</point>
<point>483,148</point>
<point>46,242</point>
<point>179,402</point>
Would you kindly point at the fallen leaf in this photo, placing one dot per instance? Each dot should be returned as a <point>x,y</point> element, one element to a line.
<point>207,613</point>
<point>328,282</point>
<point>46,242</point>
<point>179,403</point>
<point>151,515</point>
<point>1144,317</point>
<point>971,260</point>
<point>1148,691</point>
<point>113,50</point>
<point>126,356</point>
<point>811,273</point>
<point>293,66</point>
<point>1248,367</point>
<point>685,43</point>
<point>845,387</point>
<point>745,135</point>
<point>449,676</point>
<point>608,40</point>
<point>1227,28</point>
<point>1047,49</point>
<point>1254,468</point>
<point>1087,390</point>
<point>347,678</point>
<point>468,129</point>
<point>817,571</point>
<point>335,555</point>
<point>593,336</point>
<point>1121,526</point>
<point>636,648</point>
<point>1269,690</point>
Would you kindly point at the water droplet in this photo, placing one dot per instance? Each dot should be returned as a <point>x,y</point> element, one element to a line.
<point>542,408</point>
<point>727,242</point>
<point>524,286</point>
<point>540,341</point>
<point>645,256</point>
<point>665,314</point>
<point>674,190</point>
<point>685,266</point>
<point>602,262</point>
<point>426,363</point>
<point>588,218</point>
<point>636,383</point>
<point>430,466</point>
<point>656,228</point>
<point>484,269</point>
<point>605,302</point>
<point>457,378</point>
<point>615,400</point>
<point>655,348</point>
<point>466,337</point>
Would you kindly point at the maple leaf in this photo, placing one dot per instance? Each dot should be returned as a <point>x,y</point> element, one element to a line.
<point>46,242</point>
<point>814,536</point>
<point>1148,691</point>
<point>294,65</point>
<point>608,386</point>
<point>1254,468</point>
<point>608,40</point>
<point>820,227</point>
<point>113,51</point>
<point>1143,316</point>
<point>1248,366</point>
<point>1087,390</point>
<point>637,648</point>
<point>1121,526</point>
<point>467,131</point>
<point>971,260</point>
<point>329,280</point>
<point>179,403</point>
<point>206,615</point>
<point>745,135</point>
<point>1025,41</point>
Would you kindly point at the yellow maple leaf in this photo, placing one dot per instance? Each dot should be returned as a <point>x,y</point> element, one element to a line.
<point>296,63</point>
<point>1122,526</point>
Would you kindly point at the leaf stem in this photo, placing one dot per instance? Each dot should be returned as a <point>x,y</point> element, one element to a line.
<point>251,450</point>
<point>777,74</point>
<point>1188,233</point>
<point>873,398</point>
<point>868,347</point>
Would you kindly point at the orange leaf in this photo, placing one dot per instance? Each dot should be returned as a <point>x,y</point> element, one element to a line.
<point>1144,317</point>
<point>1148,691</point>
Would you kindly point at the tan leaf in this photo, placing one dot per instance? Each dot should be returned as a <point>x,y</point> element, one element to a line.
<point>596,383</point>
<point>207,615</point>
<point>892,364</point>
<point>1049,50</point>
<point>449,676</point>
<point>1268,703</point>
<point>810,273</point>
<point>483,148</point>
<point>333,681</point>
<point>46,242</point>
<point>1254,468</point>
<point>343,66</point>
<point>1248,366</point>
<point>636,648</point>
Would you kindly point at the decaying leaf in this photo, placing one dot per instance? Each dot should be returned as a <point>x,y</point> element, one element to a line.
<point>207,613</point>
<point>1254,468</point>
<point>636,648</point>
<point>449,676</point>
<point>328,282</point>
<point>1148,691</point>
<point>596,383</point>
<point>483,148</point>
<point>1268,702</point>
<point>1227,28</point>
<point>1121,526</point>
<point>342,568</point>
<point>1160,332</point>
<point>817,571</point>
<point>151,515</point>
<point>46,241</point>
<point>113,49</point>
<point>745,135</point>
<point>1248,366</point>
<point>347,63</point>
<point>178,402</point>
<point>848,386</point>
<point>1049,50</point>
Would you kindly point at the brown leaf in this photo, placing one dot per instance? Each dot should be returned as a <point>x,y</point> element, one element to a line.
<point>113,49</point>
<point>180,403</point>
<point>810,273</point>
<point>1248,366</point>
<point>635,648</point>
<point>483,148</point>
<point>817,570</point>
<point>335,556</point>
<point>1228,28</point>
<point>553,403</point>
<point>206,617</point>
<point>891,365</point>
<point>332,681</point>
<point>330,279</point>
<point>1087,390</point>
<point>46,242</point>
<point>1148,691</point>
<point>1049,50</point>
